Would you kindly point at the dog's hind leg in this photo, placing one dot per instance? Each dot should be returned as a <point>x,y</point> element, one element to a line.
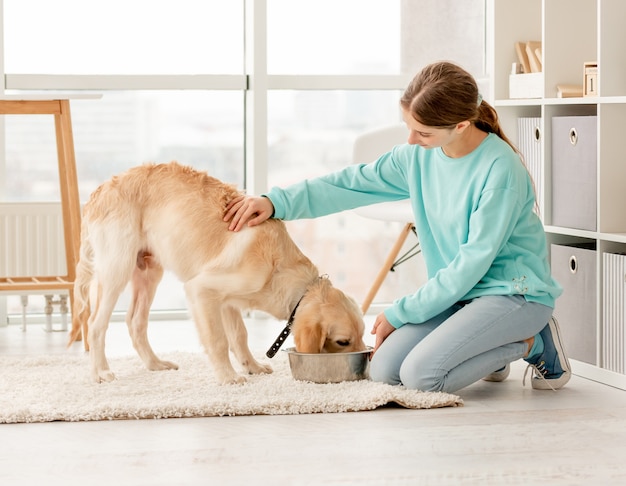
<point>107,295</point>
<point>146,277</point>
<point>238,341</point>
<point>114,261</point>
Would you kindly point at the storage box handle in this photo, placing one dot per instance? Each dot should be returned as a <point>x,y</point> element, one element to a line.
<point>573,136</point>
<point>537,134</point>
<point>573,264</point>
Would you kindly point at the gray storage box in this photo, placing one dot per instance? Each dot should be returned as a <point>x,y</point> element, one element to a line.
<point>574,172</point>
<point>574,267</point>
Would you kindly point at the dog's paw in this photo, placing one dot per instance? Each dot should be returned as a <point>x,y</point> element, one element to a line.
<point>257,368</point>
<point>161,365</point>
<point>103,376</point>
<point>234,379</point>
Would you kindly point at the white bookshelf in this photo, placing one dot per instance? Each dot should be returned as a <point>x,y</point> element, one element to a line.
<point>572,32</point>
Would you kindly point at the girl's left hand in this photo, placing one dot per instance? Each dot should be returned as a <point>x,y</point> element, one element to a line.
<point>381,329</point>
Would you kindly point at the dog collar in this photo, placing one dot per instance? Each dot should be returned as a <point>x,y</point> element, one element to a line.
<point>284,333</point>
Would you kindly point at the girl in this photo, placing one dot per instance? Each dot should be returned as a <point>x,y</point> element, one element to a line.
<point>489,296</point>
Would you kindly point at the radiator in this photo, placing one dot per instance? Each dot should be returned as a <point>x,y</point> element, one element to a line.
<point>32,240</point>
<point>32,245</point>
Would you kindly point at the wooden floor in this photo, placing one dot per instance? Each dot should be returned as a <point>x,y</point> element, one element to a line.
<point>505,434</point>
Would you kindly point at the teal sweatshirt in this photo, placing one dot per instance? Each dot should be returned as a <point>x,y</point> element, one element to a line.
<point>474,218</point>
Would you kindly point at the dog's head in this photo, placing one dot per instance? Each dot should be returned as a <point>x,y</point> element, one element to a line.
<point>328,321</point>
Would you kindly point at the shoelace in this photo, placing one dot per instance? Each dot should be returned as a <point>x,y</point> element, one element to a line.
<point>539,371</point>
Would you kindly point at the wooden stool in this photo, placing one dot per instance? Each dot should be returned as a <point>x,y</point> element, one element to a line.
<point>59,107</point>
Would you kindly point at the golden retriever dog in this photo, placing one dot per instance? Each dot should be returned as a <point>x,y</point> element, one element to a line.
<point>170,217</point>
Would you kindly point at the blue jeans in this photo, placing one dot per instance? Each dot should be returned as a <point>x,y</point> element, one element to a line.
<point>461,345</point>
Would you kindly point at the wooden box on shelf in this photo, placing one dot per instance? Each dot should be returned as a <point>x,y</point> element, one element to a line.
<point>590,80</point>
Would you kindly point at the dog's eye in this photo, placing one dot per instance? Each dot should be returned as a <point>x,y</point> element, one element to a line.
<point>343,342</point>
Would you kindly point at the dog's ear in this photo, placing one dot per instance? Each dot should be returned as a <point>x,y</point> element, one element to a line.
<point>309,336</point>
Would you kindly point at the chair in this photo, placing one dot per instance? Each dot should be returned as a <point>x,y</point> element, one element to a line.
<point>367,148</point>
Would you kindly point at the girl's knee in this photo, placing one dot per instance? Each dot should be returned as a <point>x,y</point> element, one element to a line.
<point>418,381</point>
<point>382,371</point>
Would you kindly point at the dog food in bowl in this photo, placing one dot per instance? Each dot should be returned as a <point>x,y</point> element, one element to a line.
<point>329,367</point>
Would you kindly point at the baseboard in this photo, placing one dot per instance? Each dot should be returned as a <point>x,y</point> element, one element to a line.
<point>600,375</point>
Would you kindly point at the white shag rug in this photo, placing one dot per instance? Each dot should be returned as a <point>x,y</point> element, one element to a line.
<point>58,387</point>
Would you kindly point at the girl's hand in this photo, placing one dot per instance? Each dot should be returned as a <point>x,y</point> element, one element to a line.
<point>381,329</point>
<point>248,209</point>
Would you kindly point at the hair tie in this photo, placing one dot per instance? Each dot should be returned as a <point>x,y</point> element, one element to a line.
<point>479,100</point>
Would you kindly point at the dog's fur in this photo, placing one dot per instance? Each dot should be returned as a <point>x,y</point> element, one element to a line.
<point>168,216</point>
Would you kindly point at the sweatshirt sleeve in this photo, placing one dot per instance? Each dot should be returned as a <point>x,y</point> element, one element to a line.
<point>354,186</point>
<point>490,227</point>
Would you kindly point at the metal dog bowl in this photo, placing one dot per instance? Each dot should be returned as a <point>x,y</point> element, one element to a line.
<point>329,367</point>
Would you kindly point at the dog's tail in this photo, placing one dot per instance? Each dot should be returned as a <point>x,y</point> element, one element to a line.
<point>82,284</point>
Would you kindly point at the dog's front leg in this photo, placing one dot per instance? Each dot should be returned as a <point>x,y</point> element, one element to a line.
<point>206,311</point>
<point>238,341</point>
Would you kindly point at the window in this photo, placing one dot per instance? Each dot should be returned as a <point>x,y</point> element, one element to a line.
<point>333,37</point>
<point>173,82</point>
<point>310,134</point>
<point>123,37</point>
<point>125,128</point>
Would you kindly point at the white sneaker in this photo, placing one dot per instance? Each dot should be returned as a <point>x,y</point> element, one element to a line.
<point>499,375</point>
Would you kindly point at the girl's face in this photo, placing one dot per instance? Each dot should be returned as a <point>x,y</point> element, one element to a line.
<point>428,137</point>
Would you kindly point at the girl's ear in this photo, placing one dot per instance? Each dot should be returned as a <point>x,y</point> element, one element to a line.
<point>460,127</point>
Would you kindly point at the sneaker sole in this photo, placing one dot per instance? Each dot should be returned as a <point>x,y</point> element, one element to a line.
<point>498,376</point>
<point>556,383</point>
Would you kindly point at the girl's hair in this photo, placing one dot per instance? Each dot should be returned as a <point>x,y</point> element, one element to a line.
<point>444,94</point>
